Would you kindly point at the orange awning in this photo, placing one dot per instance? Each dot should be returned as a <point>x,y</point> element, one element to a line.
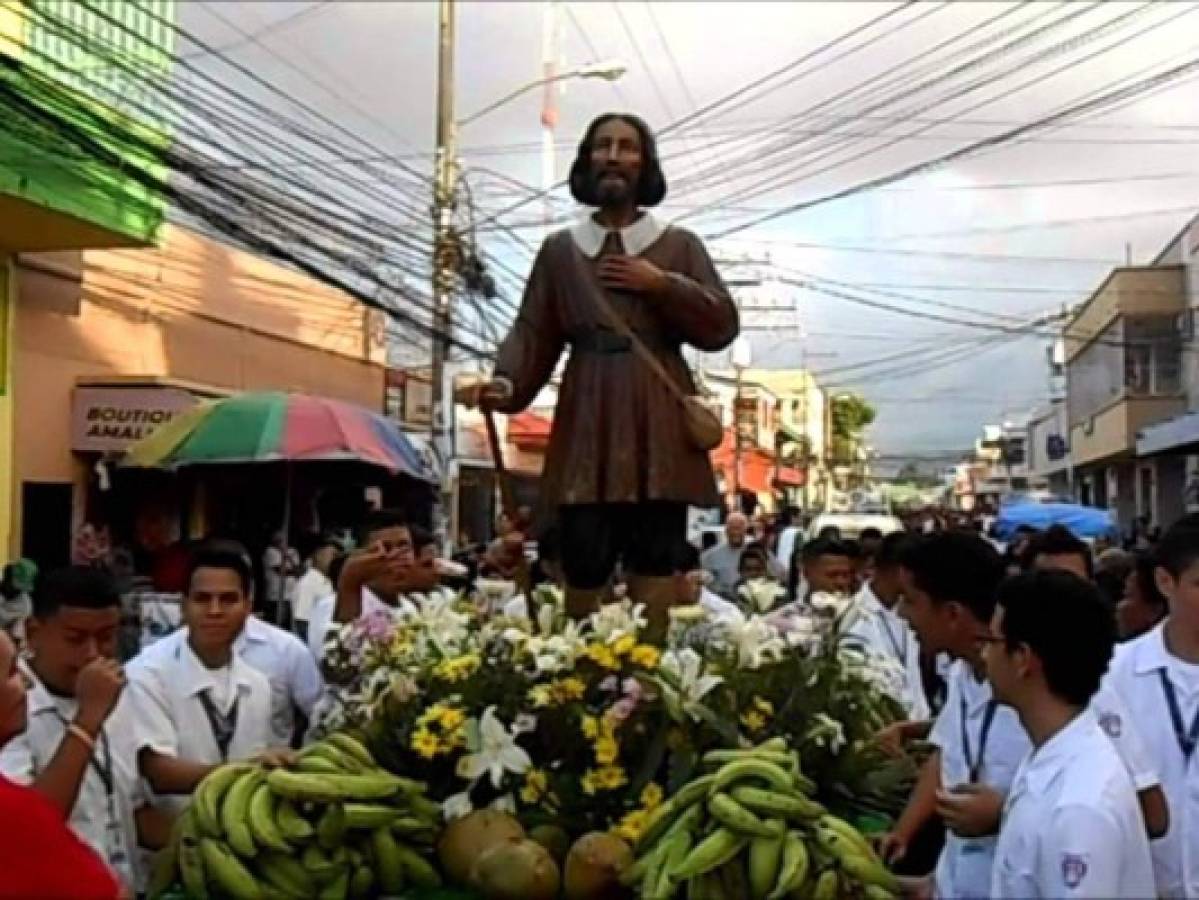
<point>529,431</point>
<point>757,465</point>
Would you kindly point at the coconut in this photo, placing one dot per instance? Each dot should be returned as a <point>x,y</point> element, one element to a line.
<point>516,870</point>
<point>465,840</point>
<point>594,865</point>
<point>553,839</point>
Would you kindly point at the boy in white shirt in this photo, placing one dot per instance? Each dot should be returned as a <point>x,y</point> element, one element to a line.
<point>77,749</point>
<point>1057,549</point>
<point>1072,826</point>
<point>202,705</point>
<point>1157,675</point>
<point>949,582</point>
<point>880,630</point>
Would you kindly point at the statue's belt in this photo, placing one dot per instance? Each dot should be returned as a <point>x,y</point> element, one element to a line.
<point>599,340</point>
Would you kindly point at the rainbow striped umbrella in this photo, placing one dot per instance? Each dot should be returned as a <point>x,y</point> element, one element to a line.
<point>272,426</point>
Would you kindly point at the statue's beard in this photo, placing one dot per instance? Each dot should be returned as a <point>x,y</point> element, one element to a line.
<point>611,191</point>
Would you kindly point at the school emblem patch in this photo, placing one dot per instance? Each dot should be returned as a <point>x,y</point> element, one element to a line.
<point>1074,869</point>
<point>1111,724</point>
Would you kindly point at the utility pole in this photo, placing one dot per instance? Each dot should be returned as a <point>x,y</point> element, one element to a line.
<point>549,107</point>
<point>444,252</point>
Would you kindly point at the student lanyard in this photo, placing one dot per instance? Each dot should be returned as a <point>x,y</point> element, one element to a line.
<point>975,764</point>
<point>901,649</point>
<point>1187,740</point>
<point>101,764</point>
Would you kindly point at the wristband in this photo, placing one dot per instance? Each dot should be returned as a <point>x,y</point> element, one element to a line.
<point>84,738</point>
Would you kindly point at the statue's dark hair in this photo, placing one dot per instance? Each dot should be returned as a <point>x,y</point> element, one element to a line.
<point>651,188</point>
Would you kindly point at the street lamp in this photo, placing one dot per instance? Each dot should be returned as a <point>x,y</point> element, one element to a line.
<point>608,70</point>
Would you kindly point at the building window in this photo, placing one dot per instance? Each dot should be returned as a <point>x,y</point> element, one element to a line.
<point>1152,357</point>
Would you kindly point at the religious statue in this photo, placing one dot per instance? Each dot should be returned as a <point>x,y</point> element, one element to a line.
<point>624,290</point>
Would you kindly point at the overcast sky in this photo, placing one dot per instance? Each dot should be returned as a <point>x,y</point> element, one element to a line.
<point>1016,231</point>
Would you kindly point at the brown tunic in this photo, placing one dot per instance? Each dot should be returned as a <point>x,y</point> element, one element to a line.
<point>618,434</point>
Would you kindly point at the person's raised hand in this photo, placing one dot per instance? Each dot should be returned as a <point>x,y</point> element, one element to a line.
<point>97,689</point>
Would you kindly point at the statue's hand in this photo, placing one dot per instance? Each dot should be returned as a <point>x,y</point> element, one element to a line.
<point>495,393</point>
<point>632,273</point>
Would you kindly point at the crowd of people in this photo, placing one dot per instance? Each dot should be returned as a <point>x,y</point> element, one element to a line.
<point>1058,690</point>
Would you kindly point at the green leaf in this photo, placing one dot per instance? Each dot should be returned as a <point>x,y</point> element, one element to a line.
<point>720,725</point>
<point>681,768</point>
<point>655,755</point>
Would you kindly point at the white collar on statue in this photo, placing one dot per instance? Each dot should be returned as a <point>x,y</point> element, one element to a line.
<point>589,235</point>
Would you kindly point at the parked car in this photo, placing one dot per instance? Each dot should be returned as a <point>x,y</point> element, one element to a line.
<point>851,525</point>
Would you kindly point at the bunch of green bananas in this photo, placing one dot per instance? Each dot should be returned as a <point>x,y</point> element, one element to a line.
<point>750,830</point>
<point>335,826</point>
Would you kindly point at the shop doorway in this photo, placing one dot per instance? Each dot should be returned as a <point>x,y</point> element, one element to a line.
<point>46,523</point>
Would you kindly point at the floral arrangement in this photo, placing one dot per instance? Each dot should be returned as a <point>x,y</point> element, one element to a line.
<point>585,726</point>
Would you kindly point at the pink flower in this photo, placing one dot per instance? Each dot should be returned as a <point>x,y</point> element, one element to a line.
<point>626,705</point>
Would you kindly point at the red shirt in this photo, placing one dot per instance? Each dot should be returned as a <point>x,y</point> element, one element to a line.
<point>41,858</point>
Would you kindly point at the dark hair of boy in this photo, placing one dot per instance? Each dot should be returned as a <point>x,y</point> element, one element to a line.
<point>686,558</point>
<point>753,551</point>
<point>1058,540</point>
<point>1145,564</point>
<point>890,551</point>
<point>1066,623</point>
<point>826,546</point>
<point>380,520</point>
<point>956,566</point>
<point>1178,549</point>
<point>870,533</point>
<point>223,554</point>
<point>79,587</point>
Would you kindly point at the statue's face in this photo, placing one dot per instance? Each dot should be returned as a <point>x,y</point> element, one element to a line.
<point>616,162</point>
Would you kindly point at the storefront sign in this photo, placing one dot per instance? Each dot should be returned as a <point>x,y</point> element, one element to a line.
<point>110,419</point>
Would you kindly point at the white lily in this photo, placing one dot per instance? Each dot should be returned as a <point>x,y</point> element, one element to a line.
<point>457,806</point>
<point>616,620</point>
<point>755,641</point>
<point>687,680</point>
<point>761,594</point>
<point>495,751</point>
<point>444,626</point>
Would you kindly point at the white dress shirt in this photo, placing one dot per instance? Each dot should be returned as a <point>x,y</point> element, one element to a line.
<point>882,632</point>
<point>1072,826</point>
<point>312,586</point>
<point>964,869</point>
<point>295,680</point>
<point>719,609</point>
<point>170,718</point>
<point>1136,675</point>
<point>104,821</point>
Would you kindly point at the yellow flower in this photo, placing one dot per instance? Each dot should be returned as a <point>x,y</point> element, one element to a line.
<point>457,669</point>
<point>536,784</point>
<point>753,720</point>
<point>763,706</point>
<point>606,778</point>
<point>651,797</point>
<point>631,826</point>
<point>602,656</point>
<point>624,644</point>
<point>451,718</point>
<point>589,725</point>
<point>645,656</point>
<point>609,778</point>
<point>425,743</point>
<point>606,750</point>
<point>570,688</point>
<point>590,782</point>
<point>540,696</point>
